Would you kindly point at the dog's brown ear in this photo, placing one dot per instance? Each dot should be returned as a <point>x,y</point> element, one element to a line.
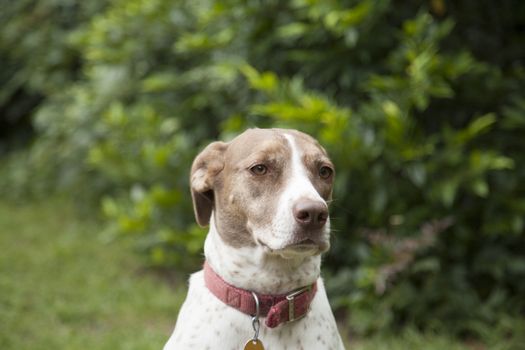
<point>206,166</point>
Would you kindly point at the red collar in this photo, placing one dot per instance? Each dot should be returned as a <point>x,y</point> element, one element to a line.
<point>276,308</point>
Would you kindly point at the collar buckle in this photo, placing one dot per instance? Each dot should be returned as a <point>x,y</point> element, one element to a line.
<point>291,302</point>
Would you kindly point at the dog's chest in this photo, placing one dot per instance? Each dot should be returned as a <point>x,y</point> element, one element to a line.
<point>205,322</point>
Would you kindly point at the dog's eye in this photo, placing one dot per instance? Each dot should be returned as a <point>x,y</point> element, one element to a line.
<point>259,169</point>
<point>325,172</point>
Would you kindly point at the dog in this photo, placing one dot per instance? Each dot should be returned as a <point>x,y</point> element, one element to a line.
<point>265,198</point>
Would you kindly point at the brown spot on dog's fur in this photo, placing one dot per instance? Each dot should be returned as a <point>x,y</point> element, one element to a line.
<point>224,169</point>
<point>204,172</point>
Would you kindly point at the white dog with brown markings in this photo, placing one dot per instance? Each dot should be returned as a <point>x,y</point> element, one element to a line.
<point>265,197</point>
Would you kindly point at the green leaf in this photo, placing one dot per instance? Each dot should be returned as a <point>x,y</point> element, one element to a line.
<point>480,187</point>
<point>476,128</point>
<point>292,30</point>
<point>266,81</point>
<point>448,192</point>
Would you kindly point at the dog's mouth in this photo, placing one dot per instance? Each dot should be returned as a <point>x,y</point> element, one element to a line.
<point>300,248</point>
<point>304,244</point>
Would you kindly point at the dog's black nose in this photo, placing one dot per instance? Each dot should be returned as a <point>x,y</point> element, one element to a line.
<point>310,214</point>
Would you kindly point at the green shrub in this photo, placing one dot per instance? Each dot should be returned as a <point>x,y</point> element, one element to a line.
<point>424,127</point>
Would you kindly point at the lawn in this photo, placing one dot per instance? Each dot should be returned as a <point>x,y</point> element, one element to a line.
<point>65,285</point>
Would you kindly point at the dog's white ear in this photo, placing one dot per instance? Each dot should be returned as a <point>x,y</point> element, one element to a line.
<point>206,166</point>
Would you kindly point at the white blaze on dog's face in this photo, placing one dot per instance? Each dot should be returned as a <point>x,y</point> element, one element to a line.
<point>267,188</point>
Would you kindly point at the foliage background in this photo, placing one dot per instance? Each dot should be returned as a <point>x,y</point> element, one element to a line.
<point>420,105</point>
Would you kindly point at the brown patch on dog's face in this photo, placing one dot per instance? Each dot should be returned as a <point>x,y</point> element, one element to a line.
<point>206,166</point>
<point>244,196</point>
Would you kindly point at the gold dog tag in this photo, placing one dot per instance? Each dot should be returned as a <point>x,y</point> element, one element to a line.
<point>254,344</point>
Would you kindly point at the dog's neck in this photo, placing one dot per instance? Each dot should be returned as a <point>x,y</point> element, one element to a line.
<point>253,269</point>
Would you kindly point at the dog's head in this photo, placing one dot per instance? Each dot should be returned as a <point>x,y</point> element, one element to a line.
<point>266,188</point>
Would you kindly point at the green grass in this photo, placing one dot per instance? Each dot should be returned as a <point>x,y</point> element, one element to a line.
<point>410,340</point>
<point>62,287</point>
